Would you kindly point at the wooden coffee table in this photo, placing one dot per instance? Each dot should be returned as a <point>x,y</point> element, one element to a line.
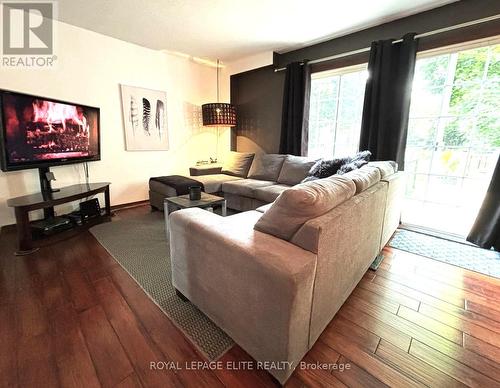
<point>206,201</point>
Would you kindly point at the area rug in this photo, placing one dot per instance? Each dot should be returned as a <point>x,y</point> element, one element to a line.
<point>460,254</point>
<point>140,245</point>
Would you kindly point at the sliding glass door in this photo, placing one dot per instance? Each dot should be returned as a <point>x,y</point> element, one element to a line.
<point>453,137</point>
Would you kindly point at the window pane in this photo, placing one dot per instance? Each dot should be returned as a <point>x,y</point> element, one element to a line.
<point>351,100</point>
<point>426,102</point>
<point>471,65</point>
<point>335,112</point>
<point>464,98</point>
<point>430,73</point>
<point>322,109</point>
<point>456,132</point>
<point>490,97</point>
<point>449,161</point>
<point>416,186</point>
<point>488,130</point>
<point>494,67</point>
<point>422,132</point>
<point>418,160</point>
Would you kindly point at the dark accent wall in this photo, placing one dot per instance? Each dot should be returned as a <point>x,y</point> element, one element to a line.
<point>258,96</point>
<point>258,93</point>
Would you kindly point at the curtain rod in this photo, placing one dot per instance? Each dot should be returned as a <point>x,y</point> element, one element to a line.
<point>439,31</point>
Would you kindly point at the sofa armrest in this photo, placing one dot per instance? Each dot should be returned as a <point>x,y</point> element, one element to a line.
<point>205,170</point>
<point>396,176</point>
<point>396,184</point>
<point>256,287</point>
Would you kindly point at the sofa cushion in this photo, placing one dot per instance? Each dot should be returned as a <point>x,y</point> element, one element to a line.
<point>295,169</point>
<point>162,188</point>
<point>264,208</point>
<point>300,203</point>
<point>237,163</point>
<point>270,193</point>
<point>386,168</point>
<point>213,183</point>
<point>266,167</point>
<point>364,177</point>
<point>244,187</point>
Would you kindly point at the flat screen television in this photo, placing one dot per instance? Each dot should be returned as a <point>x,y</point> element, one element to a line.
<point>40,132</point>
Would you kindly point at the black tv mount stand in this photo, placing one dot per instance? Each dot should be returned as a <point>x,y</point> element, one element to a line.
<point>46,178</point>
<point>46,201</point>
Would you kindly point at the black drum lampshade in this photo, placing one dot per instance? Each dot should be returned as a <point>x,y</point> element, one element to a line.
<point>218,114</point>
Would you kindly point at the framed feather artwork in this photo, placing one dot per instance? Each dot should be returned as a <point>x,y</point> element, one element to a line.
<point>144,119</point>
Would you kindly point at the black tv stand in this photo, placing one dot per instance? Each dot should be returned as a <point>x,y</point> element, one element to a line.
<point>46,201</point>
<point>45,180</point>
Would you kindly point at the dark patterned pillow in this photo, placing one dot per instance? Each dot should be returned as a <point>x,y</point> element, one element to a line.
<point>325,168</point>
<point>357,161</point>
<point>362,156</point>
<point>354,165</point>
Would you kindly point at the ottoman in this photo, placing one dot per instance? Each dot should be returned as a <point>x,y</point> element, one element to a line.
<point>169,186</point>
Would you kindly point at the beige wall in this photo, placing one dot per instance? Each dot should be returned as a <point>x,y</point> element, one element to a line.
<point>89,69</point>
<point>251,62</point>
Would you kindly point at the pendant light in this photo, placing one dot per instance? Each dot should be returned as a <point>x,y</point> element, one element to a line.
<point>218,114</point>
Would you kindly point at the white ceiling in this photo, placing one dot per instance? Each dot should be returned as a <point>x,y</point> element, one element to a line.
<point>232,29</point>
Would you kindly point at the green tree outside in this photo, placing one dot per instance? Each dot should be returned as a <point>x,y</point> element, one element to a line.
<point>471,93</point>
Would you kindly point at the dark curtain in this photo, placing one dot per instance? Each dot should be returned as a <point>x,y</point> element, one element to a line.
<point>384,125</point>
<point>295,116</point>
<point>486,229</point>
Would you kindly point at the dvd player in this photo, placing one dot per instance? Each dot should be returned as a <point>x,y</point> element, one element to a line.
<point>51,225</point>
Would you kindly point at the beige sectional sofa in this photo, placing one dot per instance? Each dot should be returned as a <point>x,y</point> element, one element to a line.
<point>267,177</point>
<point>273,278</point>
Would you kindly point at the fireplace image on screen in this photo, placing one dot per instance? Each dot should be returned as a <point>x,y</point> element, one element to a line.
<point>39,131</point>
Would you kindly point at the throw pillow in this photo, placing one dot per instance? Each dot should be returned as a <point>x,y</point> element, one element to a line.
<point>237,164</point>
<point>386,167</point>
<point>266,167</point>
<point>364,177</point>
<point>295,169</point>
<point>355,162</point>
<point>325,168</point>
<point>354,165</point>
<point>302,202</point>
<point>362,155</point>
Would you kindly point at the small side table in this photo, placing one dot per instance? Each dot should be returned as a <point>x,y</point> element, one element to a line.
<point>183,202</point>
<point>205,169</point>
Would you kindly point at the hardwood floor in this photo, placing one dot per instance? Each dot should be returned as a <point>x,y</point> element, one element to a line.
<point>71,316</point>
